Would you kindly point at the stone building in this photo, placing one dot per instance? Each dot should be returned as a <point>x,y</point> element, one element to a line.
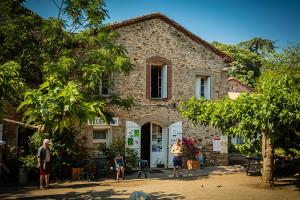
<point>236,88</point>
<point>171,65</point>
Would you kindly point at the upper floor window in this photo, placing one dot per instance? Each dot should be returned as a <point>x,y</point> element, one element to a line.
<point>159,81</point>
<point>158,78</point>
<point>202,87</point>
<point>106,84</point>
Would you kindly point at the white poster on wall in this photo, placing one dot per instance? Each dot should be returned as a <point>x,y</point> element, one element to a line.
<point>133,136</point>
<point>217,143</point>
<point>175,131</point>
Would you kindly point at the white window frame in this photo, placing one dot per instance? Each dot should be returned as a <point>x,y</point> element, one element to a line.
<point>107,141</point>
<point>207,87</point>
<point>111,85</point>
<point>163,88</point>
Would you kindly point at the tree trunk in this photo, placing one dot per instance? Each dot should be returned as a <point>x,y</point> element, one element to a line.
<point>268,160</point>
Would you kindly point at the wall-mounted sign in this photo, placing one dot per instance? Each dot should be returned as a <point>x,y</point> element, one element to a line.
<point>101,122</point>
<point>216,143</point>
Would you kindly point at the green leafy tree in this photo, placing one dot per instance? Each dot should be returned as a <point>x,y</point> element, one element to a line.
<point>10,86</point>
<point>71,57</point>
<point>246,65</point>
<point>259,46</point>
<point>72,66</point>
<point>19,40</point>
<point>274,107</point>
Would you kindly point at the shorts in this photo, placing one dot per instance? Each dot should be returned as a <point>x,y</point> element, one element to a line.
<point>177,161</point>
<point>45,171</point>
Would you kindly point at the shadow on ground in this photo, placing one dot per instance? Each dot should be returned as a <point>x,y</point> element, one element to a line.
<point>106,194</point>
<point>166,196</point>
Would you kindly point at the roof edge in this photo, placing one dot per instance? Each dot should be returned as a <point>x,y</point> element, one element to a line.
<point>171,22</point>
<point>234,79</point>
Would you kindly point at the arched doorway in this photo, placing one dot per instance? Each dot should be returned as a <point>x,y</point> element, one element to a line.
<point>152,140</point>
<point>145,141</point>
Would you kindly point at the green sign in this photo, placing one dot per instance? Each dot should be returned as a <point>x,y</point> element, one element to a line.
<point>136,133</point>
<point>130,141</point>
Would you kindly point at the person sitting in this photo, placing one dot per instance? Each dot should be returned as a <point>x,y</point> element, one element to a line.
<point>119,162</point>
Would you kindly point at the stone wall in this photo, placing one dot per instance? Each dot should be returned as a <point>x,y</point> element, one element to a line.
<point>155,38</point>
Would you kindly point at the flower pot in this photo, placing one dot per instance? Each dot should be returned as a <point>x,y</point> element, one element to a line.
<point>76,173</point>
<point>193,164</point>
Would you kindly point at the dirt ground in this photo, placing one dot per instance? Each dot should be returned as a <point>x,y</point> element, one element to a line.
<point>223,187</point>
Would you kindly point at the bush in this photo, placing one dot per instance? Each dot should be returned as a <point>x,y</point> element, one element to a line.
<point>118,145</point>
<point>66,151</point>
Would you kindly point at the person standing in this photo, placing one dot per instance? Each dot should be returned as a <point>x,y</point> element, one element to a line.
<point>177,159</point>
<point>43,158</point>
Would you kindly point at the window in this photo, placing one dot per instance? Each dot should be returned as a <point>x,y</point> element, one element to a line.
<point>159,81</point>
<point>106,84</point>
<point>158,78</point>
<point>100,140</point>
<point>99,135</point>
<point>202,87</point>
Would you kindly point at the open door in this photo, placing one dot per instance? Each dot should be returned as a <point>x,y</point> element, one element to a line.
<point>175,131</point>
<point>133,136</point>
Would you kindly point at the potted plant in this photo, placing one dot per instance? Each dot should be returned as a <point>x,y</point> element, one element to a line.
<point>28,163</point>
<point>190,151</point>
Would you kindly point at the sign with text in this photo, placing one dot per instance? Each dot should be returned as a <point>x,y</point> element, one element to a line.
<point>216,143</point>
<point>101,122</point>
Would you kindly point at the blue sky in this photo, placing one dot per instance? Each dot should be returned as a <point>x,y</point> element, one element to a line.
<point>227,21</point>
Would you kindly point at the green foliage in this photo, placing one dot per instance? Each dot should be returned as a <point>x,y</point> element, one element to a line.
<point>274,110</point>
<point>246,65</point>
<point>19,39</point>
<point>118,146</point>
<point>10,82</point>
<point>131,158</point>
<point>66,149</point>
<point>250,147</point>
<point>259,46</point>
<point>29,161</point>
<point>72,66</point>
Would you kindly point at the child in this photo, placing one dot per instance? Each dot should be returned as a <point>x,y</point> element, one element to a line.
<point>200,157</point>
